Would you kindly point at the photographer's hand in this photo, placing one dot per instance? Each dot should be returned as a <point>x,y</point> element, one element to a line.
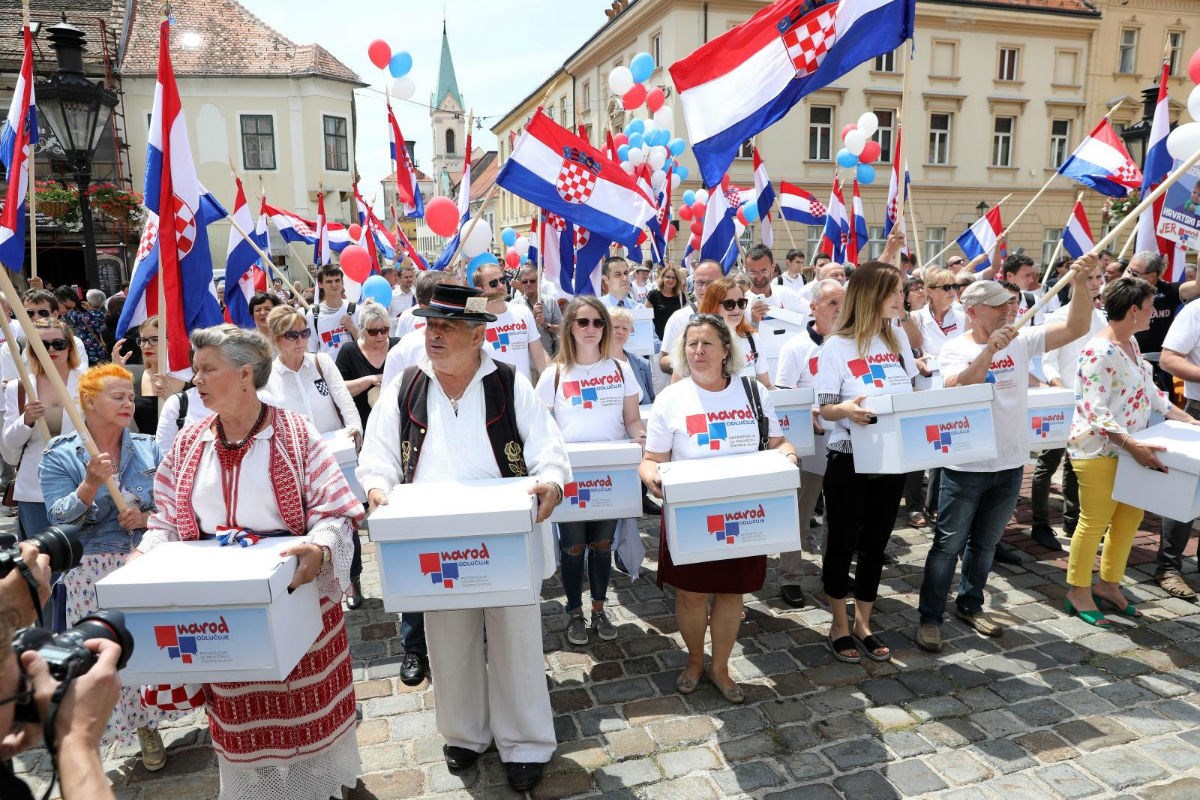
<point>15,599</point>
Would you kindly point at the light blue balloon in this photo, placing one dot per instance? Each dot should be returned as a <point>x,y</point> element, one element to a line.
<point>642,67</point>
<point>677,146</point>
<point>509,236</point>
<point>636,125</point>
<point>623,152</point>
<point>661,137</point>
<point>475,263</point>
<point>636,140</point>
<point>400,64</point>
<point>846,159</point>
<point>682,172</point>
<point>689,196</point>
<point>378,289</point>
<point>866,174</point>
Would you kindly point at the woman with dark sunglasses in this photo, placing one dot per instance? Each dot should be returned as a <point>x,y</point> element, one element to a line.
<point>150,385</point>
<point>728,301</point>
<point>940,320</point>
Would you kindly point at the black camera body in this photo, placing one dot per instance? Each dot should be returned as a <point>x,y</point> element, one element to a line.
<point>65,653</point>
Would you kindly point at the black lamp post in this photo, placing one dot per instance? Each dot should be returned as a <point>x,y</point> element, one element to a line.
<point>1137,135</point>
<point>982,208</point>
<point>77,111</point>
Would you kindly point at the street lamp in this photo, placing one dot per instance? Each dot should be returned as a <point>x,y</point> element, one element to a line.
<point>77,111</point>
<point>1137,135</point>
<point>982,208</point>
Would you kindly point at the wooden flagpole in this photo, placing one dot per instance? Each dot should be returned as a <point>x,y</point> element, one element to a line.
<point>933,259</point>
<point>1128,246</point>
<point>1058,247</point>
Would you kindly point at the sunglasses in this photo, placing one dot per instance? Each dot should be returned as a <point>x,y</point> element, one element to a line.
<point>145,340</point>
<point>956,263</point>
<point>56,344</point>
<point>39,312</point>
<point>303,333</point>
<point>730,305</point>
<point>528,282</point>
<point>493,283</point>
<point>378,331</point>
<point>583,322</point>
<point>946,287</point>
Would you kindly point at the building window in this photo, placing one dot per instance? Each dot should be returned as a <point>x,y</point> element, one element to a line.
<point>875,242</point>
<point>1127,52</point>
<point>550,112</point>
<point>820,133</point>
<point>935,240</point>
<point>1175,45</point>
<point>1060,140</point>
<point>746,149</point>
<point>258,141</point>
<point>885,62</point>
<point>939,138</point>
<point>885,133</point>
<point>562,107</point>
<point>1002,141</point>
<point>1066,67</point>
<point>1050,238</point>
<point>815,232</point>
<point>944,59</point>
<point>586,98</point>
<point>337,144</point>
<point>1009,70</point>
<point>656,48</point>
<point>450,140</point>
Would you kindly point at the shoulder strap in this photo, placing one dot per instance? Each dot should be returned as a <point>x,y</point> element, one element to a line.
<point>321,375</point>
<point>753,349</point>
<point>764,427</point>
<point>183,409</point>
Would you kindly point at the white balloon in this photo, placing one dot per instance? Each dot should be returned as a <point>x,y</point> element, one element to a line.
<point>649,126</point>
<point>403,88</point>
<point>658,157</point>
<point>702,196</point>
<point>675,181</point>
<point>1194,103</point>
<point>856,140</point>
<point>637,156</point>
<point>620,80</point>
<point>868,123</point>
<point>664,117</point>
<point>1184,141</point>
<point>658,180</point>
<point>522,245</point>
<point>479,240</point>
<point>625,165</point>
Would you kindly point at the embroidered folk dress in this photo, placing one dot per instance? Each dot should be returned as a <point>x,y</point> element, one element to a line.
<point>293,738</point>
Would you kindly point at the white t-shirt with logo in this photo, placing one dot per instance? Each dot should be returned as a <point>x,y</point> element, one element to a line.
<point>934,333</point>
<point>507,339</point>
<point>1184,338</point>
<point>328,334</point>
<point>845,374</point>
<point>1010,375</point>
<point>589,403</point>
<point>755,364</point>
<point>797,365</point>
<point>689,422</point>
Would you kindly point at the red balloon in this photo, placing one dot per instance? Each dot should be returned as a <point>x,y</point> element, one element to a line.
<point>695,242</point>
<point>620,139</point>
<point>869,153</point>
<point>741,215</point>
<point>355,232</point>
<point>1194,67</point>
<point>847,128</point>
<point>655,99</point>
<point>441,215</point>
<point>634,97</point>
<point>356,263</point>
<point>697,227</point>
<point>698,209</point>
<point>685,212</point>
<point>512,258</point>
<point>672,232</point>
<point>380,53</point>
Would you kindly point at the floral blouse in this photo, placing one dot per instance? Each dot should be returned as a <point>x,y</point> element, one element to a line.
<point>1113,394</point>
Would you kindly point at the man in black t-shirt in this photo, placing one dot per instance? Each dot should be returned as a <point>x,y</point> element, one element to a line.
<point>1168,297</point>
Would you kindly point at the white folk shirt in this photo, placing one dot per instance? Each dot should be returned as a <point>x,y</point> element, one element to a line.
<point>935,334</point>
<point>1063,363</point>
<point>316,390</point>
<point>588,402</point>
<point>689,422</point>
<point>405,353</point>
<point>168,421</point>
<point>1184,338</point>
<point>328,334</point>
<point>1010,375</point>
<point>508,338</point>
<point>843,373</point>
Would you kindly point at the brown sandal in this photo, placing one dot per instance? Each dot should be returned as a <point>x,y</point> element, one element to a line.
<point>1173,584</point>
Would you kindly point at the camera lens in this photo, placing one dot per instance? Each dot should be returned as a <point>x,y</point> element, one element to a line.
<point>61,543</point>
<point>108,625</point>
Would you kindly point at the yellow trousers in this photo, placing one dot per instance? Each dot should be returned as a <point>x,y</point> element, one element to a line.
<point>1098,512</point>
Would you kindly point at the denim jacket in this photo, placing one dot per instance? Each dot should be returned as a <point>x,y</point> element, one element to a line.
<point>63,468</point>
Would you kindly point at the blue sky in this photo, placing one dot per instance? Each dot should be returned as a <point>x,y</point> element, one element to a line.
<point>502,52</point>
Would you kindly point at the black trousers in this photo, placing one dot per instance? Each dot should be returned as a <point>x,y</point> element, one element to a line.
<point>860,512</point>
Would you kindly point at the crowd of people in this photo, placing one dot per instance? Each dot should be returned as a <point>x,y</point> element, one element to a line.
<point>465,378</point>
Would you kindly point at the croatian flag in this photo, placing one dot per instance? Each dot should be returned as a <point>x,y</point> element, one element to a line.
<point>837,226</point>
<point>590,251</point>
<point>178,211</point>
<point>406,174</point>
<point>294,228</point>
<point>1077,235</point>
<point>532,253</point>
<point>857,239</point>
<point>765,198</point>
<point>414,256</point>
<point>797,205</point>
<point>1101,162</point>
<point>243,274</point>
<point>464,211</point>
<point>557,241</point>
<point>321,245</point>
<point>980,238</point>
<point>1158,166</point>
<point>895,201</point>
<point>18,135</point>
<point>556,170</point>
<point>745,80</point>
<point>662,223</point>
<point>719,239</point>
<point>374,237</point>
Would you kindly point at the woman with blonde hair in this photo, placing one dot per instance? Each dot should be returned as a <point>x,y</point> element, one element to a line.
<point>152,386</point>
<point>668,297</point>
<point>865,342</point>
<point>728,300</point>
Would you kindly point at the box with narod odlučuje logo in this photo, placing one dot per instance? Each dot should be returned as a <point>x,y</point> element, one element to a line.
<point>460,544</point>
<point>1049,418</point>
<point>920,430</point>
<point>1174,494</point>
<point>604,482</point>
<point>730,506</point>
<point>202,613</point>
<point>793,409</point>
<point>341,442</point>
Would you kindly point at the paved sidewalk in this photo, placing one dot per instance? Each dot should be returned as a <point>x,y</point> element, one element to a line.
<point>1053,709</point>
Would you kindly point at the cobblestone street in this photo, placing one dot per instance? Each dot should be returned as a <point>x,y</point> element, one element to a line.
<point>1053,709</point>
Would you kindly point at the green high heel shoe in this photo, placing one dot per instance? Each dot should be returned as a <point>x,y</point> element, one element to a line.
<point>1095,618</point>
<point>1130,610</point>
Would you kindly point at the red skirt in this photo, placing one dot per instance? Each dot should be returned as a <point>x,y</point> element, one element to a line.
<point>729,576</point>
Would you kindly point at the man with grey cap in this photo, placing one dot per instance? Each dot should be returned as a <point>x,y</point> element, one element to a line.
<point>977,499</point>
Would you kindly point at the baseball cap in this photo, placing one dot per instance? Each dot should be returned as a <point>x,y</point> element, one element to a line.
<point>985,293</point>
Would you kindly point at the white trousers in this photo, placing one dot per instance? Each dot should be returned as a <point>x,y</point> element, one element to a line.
<point>502,696</point>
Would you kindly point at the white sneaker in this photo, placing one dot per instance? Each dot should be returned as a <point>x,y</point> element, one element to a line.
<point>154,753</point>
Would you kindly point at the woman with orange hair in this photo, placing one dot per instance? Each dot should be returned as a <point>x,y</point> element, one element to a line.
<point>728,301</point>
<point>73,485</point>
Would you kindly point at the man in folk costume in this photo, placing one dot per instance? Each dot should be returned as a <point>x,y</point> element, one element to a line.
<point>461,415</point>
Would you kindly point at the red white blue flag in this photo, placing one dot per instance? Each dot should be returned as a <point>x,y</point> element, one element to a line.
<point>797,205</point>
<point>981,237</point>
<point>464,211</point>
<point>1157,167</point>
<point>745,80</point>
<point>294,228</point>
<point>244,270</point>
<point>837,225</point>
<point>764,195</point>
<point>894,215</point>
<point>859,236</point>
<point>556,170</point>
<point>18,135</point>
<point>406,174</point>
<point>1077,235</point>
<point>1101,162</point>
<point>718,242</point>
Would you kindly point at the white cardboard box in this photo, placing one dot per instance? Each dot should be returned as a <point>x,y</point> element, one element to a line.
<point>1049,417</point>
<point>1174,494</point>
<point>817,461</point>
<point>775,330</point>
<point>201,613</point>
<point>460,544</point>
<point>730,506</point>
<point>793,408</point>
<point>919,430</point>
<point>641,341</point>
<point>605,483</point>
<point>934,381</point>
<point>346,455</point>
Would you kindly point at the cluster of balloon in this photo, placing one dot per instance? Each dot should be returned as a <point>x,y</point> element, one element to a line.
<point>691,209</point>
<point>860,151</point>
<point>647,140</point>
<point>516,248</point>
<point>1184,141</point>
<point>398,64</point>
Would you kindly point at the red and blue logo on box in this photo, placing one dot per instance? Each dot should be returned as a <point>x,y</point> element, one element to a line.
<point>181,647</point>
<point>443,572</point>
<point>1041,425</point>
<point>576,496</point>
<point>941,436</point>
<point>706,433</point>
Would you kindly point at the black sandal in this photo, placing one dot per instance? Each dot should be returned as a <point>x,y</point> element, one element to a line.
<point>870,644</point>
<point>844,643</point>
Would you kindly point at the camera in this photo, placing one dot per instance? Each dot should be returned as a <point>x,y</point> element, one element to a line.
<point>65,653</point>
<point>60,542</point>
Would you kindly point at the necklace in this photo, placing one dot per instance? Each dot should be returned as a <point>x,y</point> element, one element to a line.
<point>230,456</point>
<point>234,446</point>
